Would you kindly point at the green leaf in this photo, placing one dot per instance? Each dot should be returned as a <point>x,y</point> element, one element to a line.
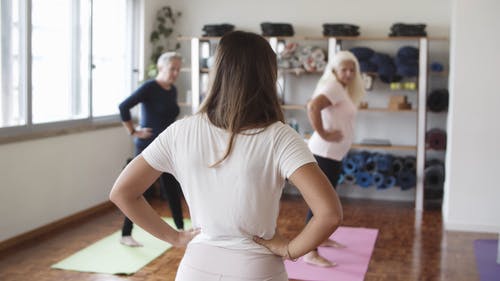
<point>154,36</point>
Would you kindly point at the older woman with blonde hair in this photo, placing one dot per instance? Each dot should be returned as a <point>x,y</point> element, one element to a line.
<point>232,159</point>
<point>332,114</point>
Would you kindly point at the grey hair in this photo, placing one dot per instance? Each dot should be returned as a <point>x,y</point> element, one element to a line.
<point>167,57</point>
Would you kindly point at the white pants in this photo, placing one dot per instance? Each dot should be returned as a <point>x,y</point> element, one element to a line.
<point>209,263</point>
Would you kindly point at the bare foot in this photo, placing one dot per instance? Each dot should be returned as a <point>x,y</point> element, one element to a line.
<point>333,244</point>
<point>314,258</point>
<point>130,241</point>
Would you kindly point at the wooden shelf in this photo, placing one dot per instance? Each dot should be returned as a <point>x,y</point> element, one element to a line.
<point>386,110</point>
<point>201,38</point>
<point>444,73</point>
<point>294,106</point>
<point>184,104</point>
<point>298,71</point>
<point>354,38</point>
<point>384,147</point>
<point>303,107</point>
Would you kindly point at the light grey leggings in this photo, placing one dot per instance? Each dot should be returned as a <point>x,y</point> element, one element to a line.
<point>210,263</point>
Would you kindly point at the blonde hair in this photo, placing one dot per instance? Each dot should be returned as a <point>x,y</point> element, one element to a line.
<point>242,93</point>
<point>355,88</point>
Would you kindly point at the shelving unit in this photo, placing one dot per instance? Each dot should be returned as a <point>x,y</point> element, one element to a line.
<point>333,45</point>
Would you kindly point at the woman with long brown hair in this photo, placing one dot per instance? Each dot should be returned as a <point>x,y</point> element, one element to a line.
<point>232,159</point>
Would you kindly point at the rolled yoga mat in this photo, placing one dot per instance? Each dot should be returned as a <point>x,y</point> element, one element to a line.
<point>436,139</point>
<point>384,162</point>
<point>349,166</point>
<point>370,165</point>
<point>410,164</point>
<point>349,179</point>
<point>389,181</point>
<point>437,101</point>
<point>434,177</point>
<point>406,180</point>
<point>397,166</point>
<point>378,180</point>
<point>380,170</point>
<point>364,179</point>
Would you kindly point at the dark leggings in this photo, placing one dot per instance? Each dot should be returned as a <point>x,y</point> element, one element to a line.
<point>171,190</point>
<point>332,169</point>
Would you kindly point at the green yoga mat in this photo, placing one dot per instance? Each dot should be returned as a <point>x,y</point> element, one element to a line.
<point>109,256</point>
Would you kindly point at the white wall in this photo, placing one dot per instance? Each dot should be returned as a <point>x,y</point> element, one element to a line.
<point>374,17</point>
<point>48,179</point>
<point>472,195</point>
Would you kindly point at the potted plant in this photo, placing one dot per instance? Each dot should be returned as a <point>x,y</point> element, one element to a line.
<point>160,39</point>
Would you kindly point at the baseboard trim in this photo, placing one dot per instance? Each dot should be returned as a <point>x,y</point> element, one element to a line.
<point>33,234</point>
<point>454,226</point>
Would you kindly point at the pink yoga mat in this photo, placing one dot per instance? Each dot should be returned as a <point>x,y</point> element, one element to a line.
<point>352,261</point>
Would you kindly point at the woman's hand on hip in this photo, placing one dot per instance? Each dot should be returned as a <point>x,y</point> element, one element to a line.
<point>143,133</point>
<point>277,245</point>
<point>185,236</point>
<point>333,136</point>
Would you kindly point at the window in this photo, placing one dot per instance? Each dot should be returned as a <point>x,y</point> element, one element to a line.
<point>109,57</point>
<point>12,100</point>
<point>65,60</point>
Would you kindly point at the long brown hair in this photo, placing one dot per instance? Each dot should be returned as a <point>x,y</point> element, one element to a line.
<point>242,92</point>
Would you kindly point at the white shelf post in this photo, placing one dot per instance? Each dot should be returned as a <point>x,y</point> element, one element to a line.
<point>195,74</point>
<point>421,127</point>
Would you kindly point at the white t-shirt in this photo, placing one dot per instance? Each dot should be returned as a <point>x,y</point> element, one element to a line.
<point>239,198</point>
<point>340,115</point>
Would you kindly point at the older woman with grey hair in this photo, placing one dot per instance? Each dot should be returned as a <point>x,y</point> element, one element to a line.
<point>159,109</point>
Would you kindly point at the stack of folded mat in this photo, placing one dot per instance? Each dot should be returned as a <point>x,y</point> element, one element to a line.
<point>404,29</point>
<point>276,29</point>
<point>340,29</point>
<point>217,30</point>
